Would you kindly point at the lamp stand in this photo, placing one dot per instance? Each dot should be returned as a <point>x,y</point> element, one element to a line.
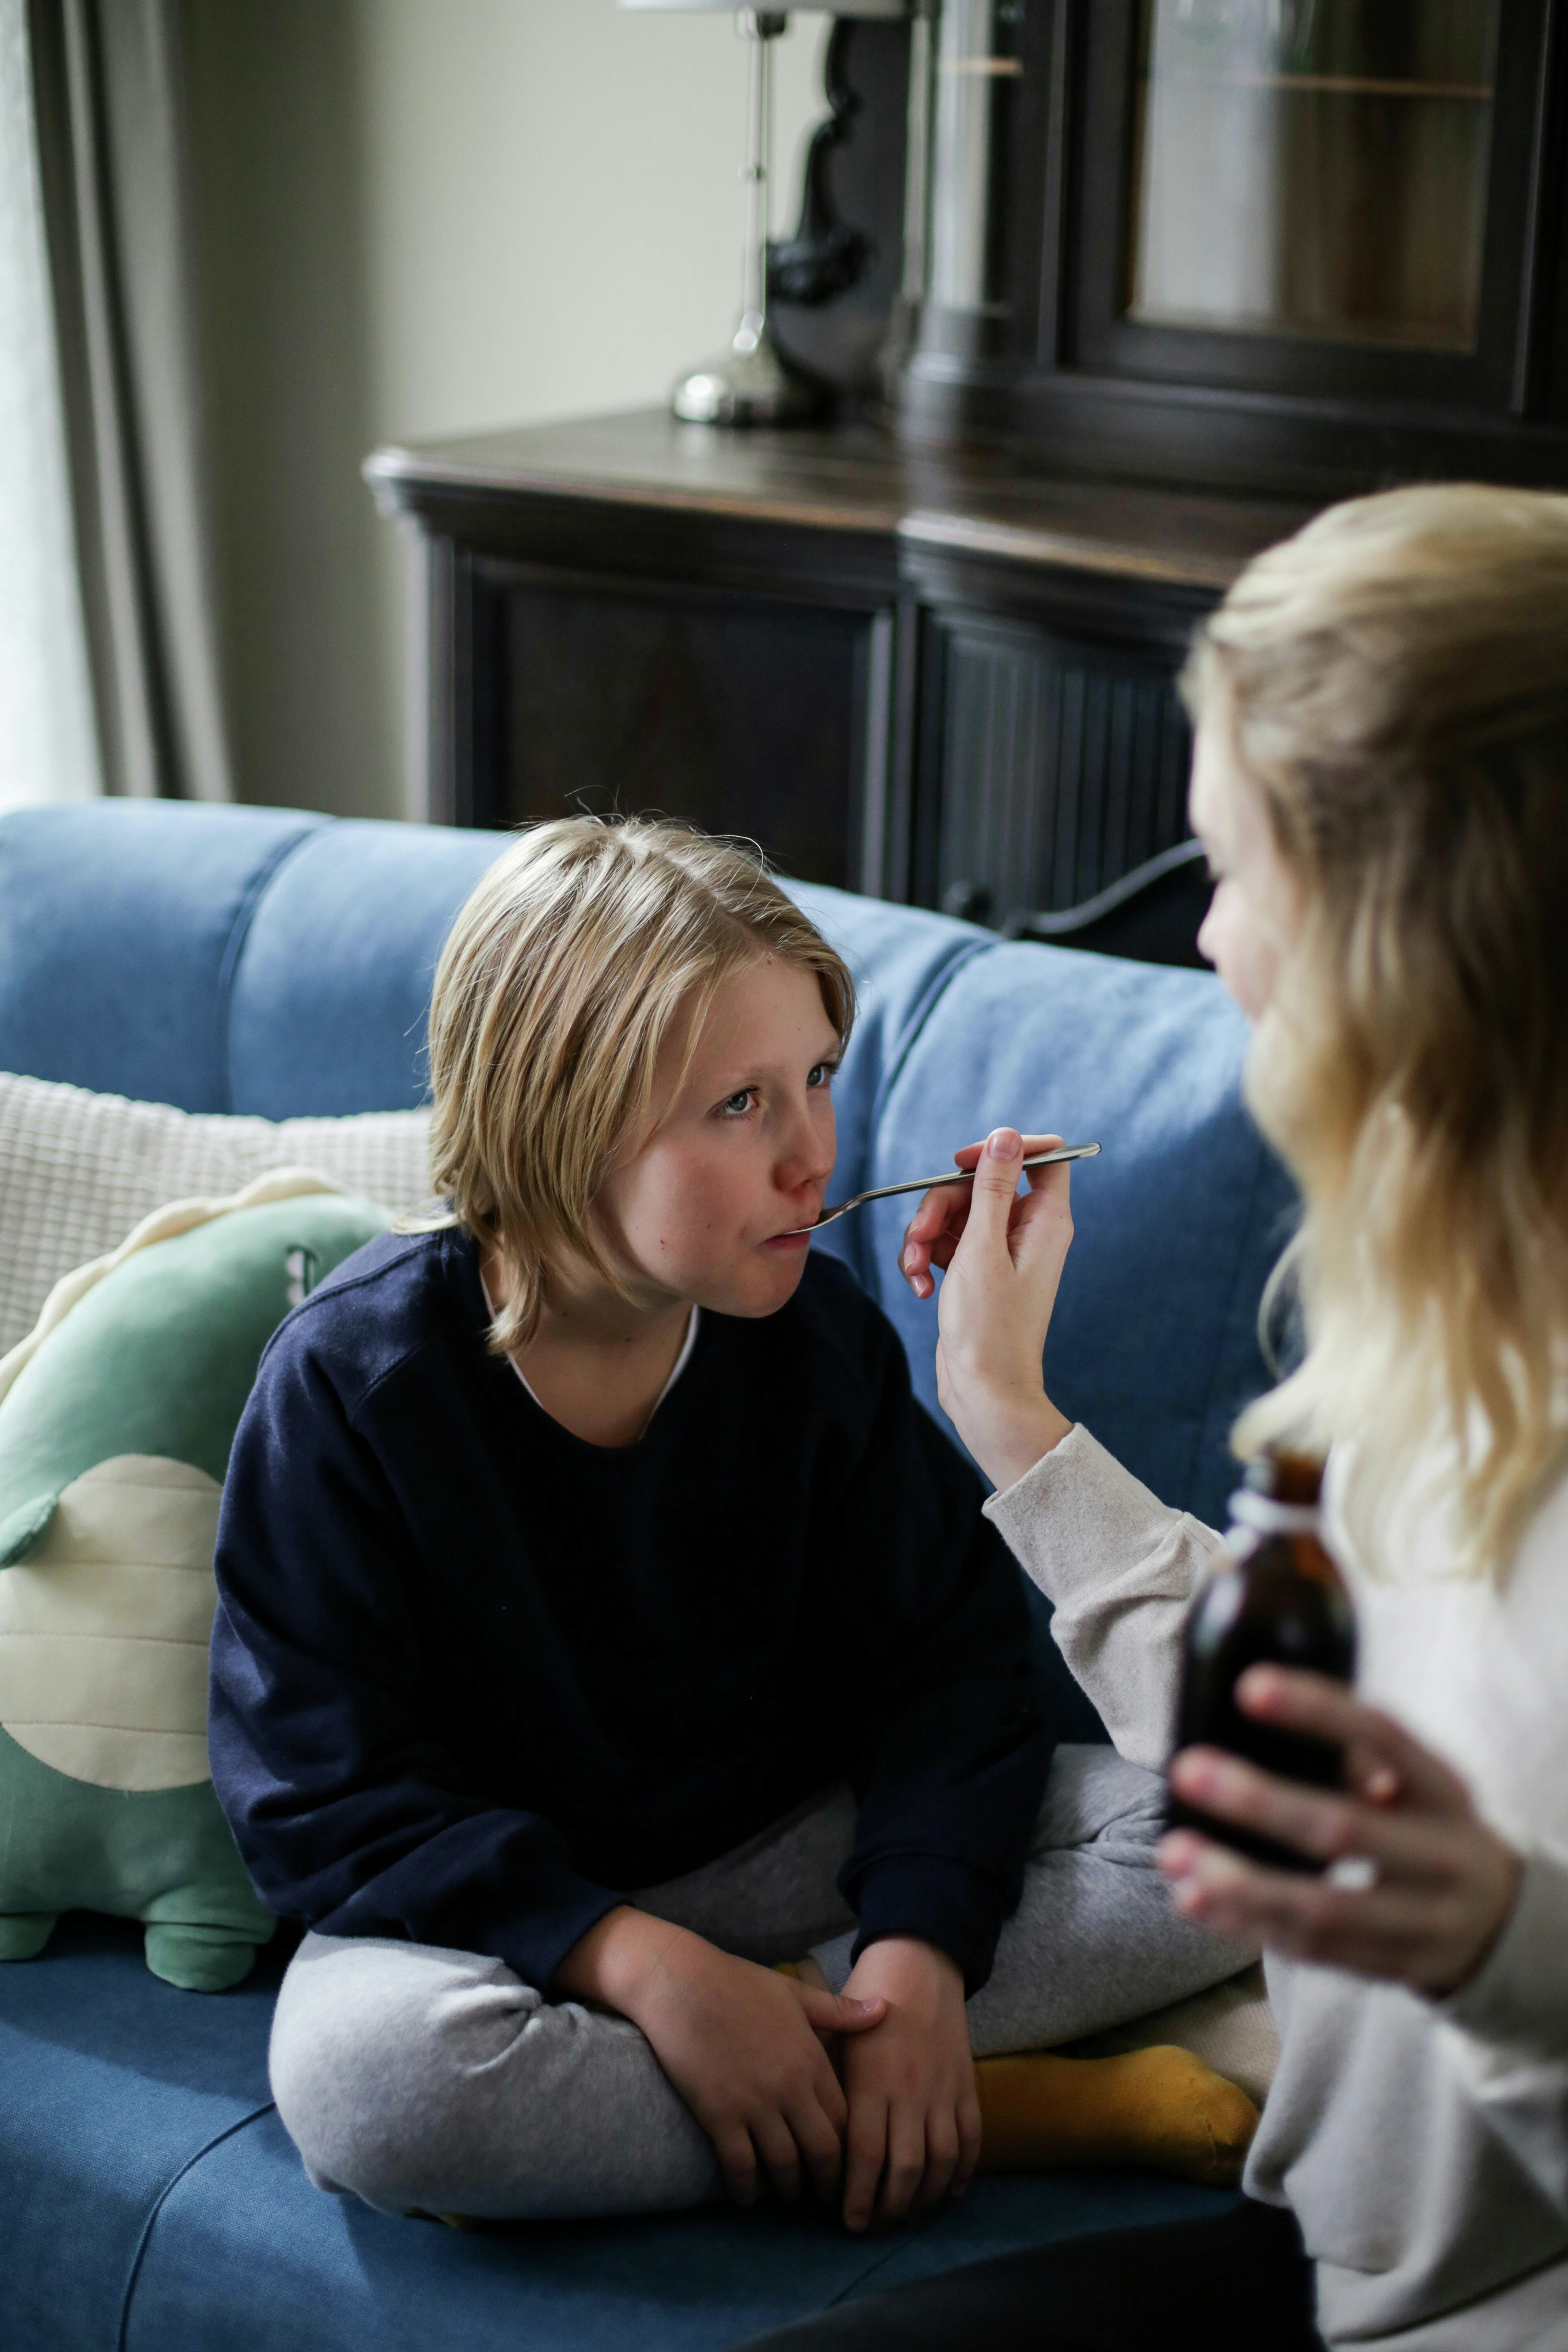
<point>751,385</point>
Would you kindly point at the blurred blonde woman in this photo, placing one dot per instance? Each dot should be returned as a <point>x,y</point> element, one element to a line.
<point>1381,782</point>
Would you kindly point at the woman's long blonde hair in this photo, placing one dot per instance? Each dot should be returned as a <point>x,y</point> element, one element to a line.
<point>1393,683</point>
<point>584,947</point>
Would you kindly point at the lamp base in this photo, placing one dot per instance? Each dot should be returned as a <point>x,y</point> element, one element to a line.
<point>749,385</point>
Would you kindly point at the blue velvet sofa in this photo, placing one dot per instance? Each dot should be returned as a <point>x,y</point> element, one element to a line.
<point>273,962</point>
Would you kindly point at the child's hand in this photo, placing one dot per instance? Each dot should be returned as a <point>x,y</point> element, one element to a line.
<point>1442,1884</point>
<point>914,2119</point>
<point>1004,1255</point>
<point>742,2044</point>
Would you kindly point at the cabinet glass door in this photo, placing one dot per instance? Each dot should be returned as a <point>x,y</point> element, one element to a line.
<point>1327,199</point>
<point>979,76</point>
<point>1312,168</point>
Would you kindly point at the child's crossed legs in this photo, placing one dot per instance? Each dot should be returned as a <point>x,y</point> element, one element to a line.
<point>420,2078</point>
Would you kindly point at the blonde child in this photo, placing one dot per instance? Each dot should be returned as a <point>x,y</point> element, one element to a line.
<point>1382,783</point>
<point>601,1624</point>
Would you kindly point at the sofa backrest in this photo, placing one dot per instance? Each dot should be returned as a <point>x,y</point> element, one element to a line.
<point>265,961</point>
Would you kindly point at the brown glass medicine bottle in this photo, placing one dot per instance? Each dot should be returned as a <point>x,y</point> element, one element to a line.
<point>1276,1598</point>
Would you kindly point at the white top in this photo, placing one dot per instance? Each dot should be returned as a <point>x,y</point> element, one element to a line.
<point>1423,2146</point>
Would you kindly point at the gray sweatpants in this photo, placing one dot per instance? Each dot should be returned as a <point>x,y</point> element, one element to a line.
<point>413,2076</point>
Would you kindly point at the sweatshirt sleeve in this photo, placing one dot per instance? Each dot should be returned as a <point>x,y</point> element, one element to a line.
<point>1508,2030</point>
<point>952,1754</point>
<point>1120,1568</point>
<point>346,1811</point>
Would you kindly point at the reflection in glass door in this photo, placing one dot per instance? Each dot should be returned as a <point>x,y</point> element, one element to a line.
<point>1313,167</point>
<point>979,81</point>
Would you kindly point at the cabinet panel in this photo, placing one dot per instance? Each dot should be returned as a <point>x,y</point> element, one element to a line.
<point>1059,766</point>
<point>1330,214</point>
<point>894,676</point>
<point>744,714</point>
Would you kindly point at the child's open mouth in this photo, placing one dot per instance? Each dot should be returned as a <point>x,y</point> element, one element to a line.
<point>788,1245</point>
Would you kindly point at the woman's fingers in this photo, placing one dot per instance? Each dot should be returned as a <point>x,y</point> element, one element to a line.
<point>1327,1827</point>
<point>1374,1930</point>
<point>1435,1884</point>
<point>1378,1746</point>
<point>994,1190</point>
<point>938,1225</point>
<point>932,1234</point>
<point>1432,1939</point>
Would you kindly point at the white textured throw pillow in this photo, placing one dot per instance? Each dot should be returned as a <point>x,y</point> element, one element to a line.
<point>79,1171</point>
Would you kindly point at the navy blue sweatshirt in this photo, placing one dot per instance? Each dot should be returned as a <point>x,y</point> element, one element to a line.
<point>474,1678</point>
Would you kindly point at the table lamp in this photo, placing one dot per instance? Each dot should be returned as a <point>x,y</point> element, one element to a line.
<point>748,384</point>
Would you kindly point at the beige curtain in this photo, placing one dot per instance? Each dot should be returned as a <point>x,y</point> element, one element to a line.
<point>109,94</point>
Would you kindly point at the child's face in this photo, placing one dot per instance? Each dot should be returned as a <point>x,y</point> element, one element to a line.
<point>1255,912</point>
<point>742,1152</point>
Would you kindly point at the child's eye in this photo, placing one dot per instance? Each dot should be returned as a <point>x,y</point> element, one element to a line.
<point>821,1074</point>
<point>736,1105</point>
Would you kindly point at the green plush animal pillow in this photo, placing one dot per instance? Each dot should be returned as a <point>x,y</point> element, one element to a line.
<point>116,1418</point>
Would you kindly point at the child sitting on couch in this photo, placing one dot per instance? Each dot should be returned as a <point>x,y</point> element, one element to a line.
<point>580,1554</point>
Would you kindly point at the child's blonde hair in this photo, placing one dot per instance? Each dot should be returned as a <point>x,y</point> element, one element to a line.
<point>587,945</point>
<point>1393,683</point>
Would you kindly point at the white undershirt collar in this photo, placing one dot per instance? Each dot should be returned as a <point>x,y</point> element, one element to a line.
<point>676,1370</point>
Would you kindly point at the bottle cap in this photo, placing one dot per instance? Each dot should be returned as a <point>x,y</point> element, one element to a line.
<point>1260,1515</point>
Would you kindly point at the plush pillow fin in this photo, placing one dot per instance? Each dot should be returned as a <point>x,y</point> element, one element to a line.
<point>21,1528</point>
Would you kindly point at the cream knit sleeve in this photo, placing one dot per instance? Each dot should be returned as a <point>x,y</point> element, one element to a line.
<point>1507,2030</point>
<point>1119,1566</point>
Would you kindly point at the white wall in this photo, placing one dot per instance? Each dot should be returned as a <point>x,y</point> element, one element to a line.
<point>426,217</point>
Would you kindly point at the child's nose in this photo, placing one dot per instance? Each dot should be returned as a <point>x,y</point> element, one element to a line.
<point>810,1161</point>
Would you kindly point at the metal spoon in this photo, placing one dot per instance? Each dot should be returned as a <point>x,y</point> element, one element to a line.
<point>954,1176</point>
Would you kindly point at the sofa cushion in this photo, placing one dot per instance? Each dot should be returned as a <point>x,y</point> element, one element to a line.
<point>78,1170</point>
<point>1153,1343</point>
<point>259,961</point>
<point>111,2084</point>
<point>331,984</point>
<point>148,2110</point>
<point>122,921</point>
<point>151,2198</point>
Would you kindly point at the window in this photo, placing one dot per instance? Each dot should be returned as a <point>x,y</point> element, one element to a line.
<point>48,745</point>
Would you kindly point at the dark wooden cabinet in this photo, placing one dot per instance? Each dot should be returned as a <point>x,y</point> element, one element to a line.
<point>1052,753</point>
<point>610,696</point>
<point>1158,277</point>
<point>938,683</point>
<point>1301,246</point>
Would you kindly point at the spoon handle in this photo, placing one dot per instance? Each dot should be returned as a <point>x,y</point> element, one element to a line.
<point>951,1176</point>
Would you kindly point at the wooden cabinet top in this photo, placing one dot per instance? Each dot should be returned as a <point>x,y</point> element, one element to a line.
<point>847,478</point>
